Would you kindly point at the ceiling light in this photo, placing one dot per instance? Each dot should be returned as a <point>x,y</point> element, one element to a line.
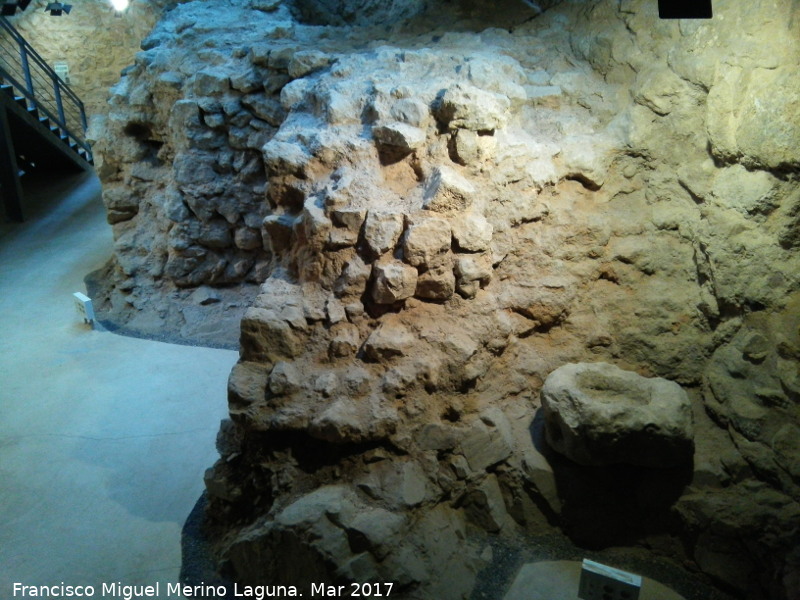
<point>119,5</point>
<point>57,8</point>
<point>9,7</point>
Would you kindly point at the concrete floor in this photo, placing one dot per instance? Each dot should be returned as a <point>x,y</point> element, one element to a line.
<point>103,438</point>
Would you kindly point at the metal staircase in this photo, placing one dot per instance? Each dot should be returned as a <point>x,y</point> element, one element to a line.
<point>42,121</point>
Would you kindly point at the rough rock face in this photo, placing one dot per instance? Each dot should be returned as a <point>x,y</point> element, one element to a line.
<point>598,414</point>
<point>439,217</point>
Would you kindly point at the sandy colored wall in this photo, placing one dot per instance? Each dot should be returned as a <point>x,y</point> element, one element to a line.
<point>95,41</point>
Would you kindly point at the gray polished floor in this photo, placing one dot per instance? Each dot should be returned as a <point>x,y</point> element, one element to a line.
<point>103,438</point>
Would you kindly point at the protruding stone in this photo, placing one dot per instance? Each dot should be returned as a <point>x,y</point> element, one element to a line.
<point>411,111</point>
<point>472,232</point>
<point>246,238</point>
<point>376,530</point>
<point>399,135</point>
<point>401,484</point>
<point>425,239</point>
<point>382,230</point>
<point>437,283</point>
<point>334,309</point>
<point>345,341</point>
<point>307,61</point>
<point>277,232</point>
<point>247,383</point>
<point>285,379</point>
<point>448,191</point>
<point>349,218</point>
<point>211,82</point>
<point>390,339</point>
<point>267,337</point>
<point>472,108</point>
<point>487,444</point>
<point>598,414</point>
<point>284,158</point>
<point>354,277</point>
<point>472,271</point>
<point>316,225</point>
<point>485,506</point>
<point>393,281</point>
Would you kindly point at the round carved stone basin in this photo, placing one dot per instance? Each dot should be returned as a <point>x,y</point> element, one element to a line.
<point>597,414</point>
<point>559,580</point>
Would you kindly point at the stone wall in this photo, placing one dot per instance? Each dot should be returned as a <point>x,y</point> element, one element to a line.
<point>439,217</point>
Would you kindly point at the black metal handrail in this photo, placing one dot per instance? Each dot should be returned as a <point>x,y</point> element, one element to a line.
<point>30,76</point>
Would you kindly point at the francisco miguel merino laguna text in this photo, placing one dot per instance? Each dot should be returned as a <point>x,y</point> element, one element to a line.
<point>119,591</point>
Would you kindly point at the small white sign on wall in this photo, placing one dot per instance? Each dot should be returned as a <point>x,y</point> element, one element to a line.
<point>62,70</point>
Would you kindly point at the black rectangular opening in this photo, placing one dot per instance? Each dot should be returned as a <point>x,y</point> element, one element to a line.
<point>684,9</point>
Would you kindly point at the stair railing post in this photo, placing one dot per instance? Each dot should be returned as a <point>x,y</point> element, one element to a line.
<point>9,171</point>
<point>26,69</point>
<point>59,102</point>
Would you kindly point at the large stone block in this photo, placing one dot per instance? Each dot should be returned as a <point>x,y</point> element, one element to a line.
<point>599,414</point>
<point>425,239</point>
<point>399,135</point>
<point>393,281</point>
<point>472,232</point>
<point>437,283</point>
<point>268,337</point>
<point>472,108</point>
<point>448,191</point>
<point>382,230</point>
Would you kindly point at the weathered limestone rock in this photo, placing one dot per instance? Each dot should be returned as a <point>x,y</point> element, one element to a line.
<point>393,281</point>
<point>437,283</point>
<point>390,339</point>
<point>267,337</point>
<point>472,271</point>
<point>400,483</point>
<point>447,191</point>
<point>382,230</point>
<point>284,379</point>
<point>472,108</point>
<point>751,385</point>
<point>598,414</point>
<point>353,279</point>
<point>472,232</point>
<point>425,240</point>
<point>345,341</point>
<point>285,158</point>
<point>247,383</point>
<point>306,62</point>
<point>488,442</point>
<point>485,506</point>
<point>277,232</point>
<point>399,135</point>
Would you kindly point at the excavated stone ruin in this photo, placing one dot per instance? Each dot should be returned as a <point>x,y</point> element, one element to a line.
<point>442,204</point>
